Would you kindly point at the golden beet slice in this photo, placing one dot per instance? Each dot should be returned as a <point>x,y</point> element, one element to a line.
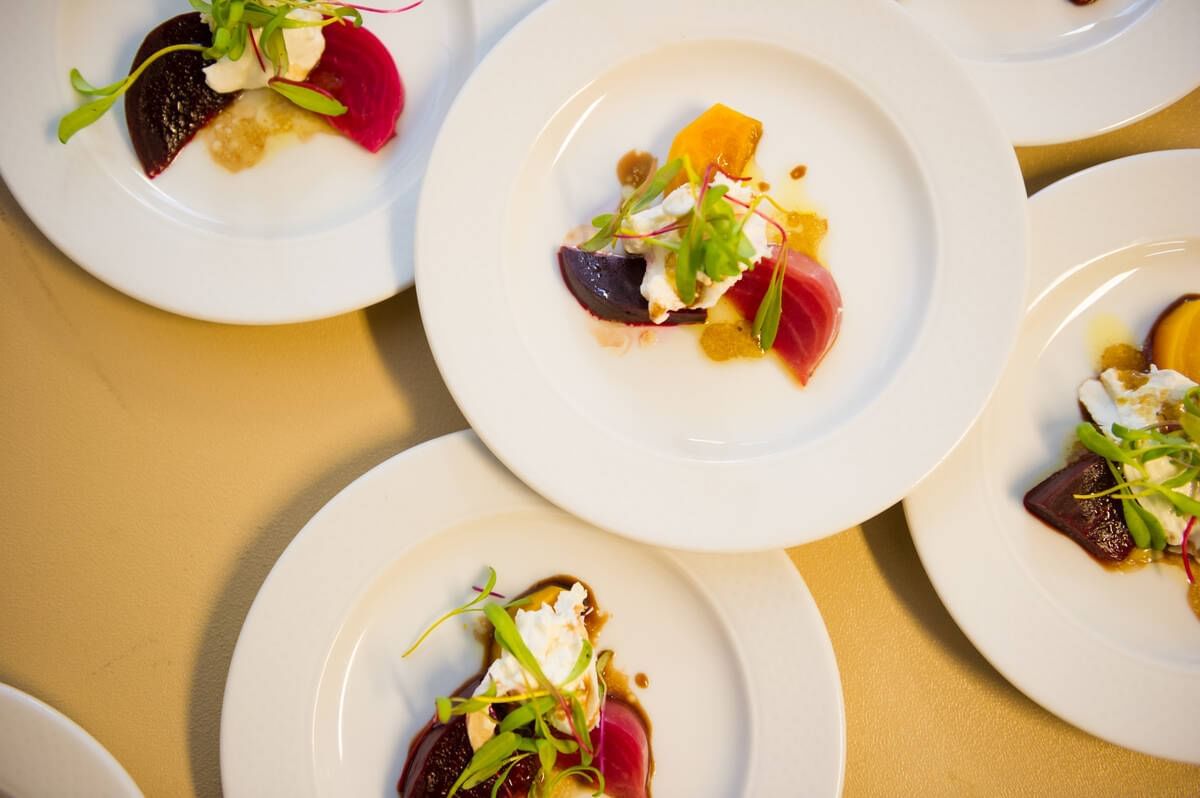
<point>1175,339</point>
<point>720,135</point>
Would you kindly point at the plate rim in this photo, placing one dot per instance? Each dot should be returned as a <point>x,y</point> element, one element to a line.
<point>72,231</point>
<point>87,746</point>
<point>1068,97</point>
<point>1005,195</point>
<point>929,519</point>
<point>247,678</point>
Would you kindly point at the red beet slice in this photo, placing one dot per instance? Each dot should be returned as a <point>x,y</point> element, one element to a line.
<point>610,287</point>
<point>811,315</point>
<point>358,70</point>
<point>624,757</point>
<point>171,101</point>
<point>440,752</point>
<point>1098,525</point>
<point>622,746</point>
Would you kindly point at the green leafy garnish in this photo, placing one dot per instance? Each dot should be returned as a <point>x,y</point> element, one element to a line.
<point>308,98</point>
<point>609,224</point>
<point>1127,458</point>
<point>89,112</point>
<point>468,607</point>
<point>523,730</point>
<point>233,23</point>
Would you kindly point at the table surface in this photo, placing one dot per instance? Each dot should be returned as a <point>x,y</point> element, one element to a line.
<point>154,468</point>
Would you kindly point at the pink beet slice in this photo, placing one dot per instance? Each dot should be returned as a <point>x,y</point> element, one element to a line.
<point>812,310</point>
<point>622,749</point>
<point>358,70</point>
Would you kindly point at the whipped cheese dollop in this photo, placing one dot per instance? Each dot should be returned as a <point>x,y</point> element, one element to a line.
<point>305,47</point>
<point>555,635</point>
<point>1136,400</point>
<point>658,287</point>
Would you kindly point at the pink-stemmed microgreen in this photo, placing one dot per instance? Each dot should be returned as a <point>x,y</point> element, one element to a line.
<point>711,239</point>
<point>470,606</point>
<point>770,307</point>
<point>608,225</point>
<point>234,24</point>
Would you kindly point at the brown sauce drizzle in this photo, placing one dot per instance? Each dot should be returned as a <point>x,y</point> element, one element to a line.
<point>798,172</point>
<point>634,167</point>
<point>642,680</point>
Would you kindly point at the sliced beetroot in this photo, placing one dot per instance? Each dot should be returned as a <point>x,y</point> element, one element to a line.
<point>811,312</point>
<point>440,752</point>
<point>610,287</point>
<point>1098,525</point>
<point>623,751</point>
<point>171,101</point>
<point>622,745</point>
<point>358,70</point>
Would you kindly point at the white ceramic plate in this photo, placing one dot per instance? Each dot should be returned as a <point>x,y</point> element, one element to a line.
<point>319,702</point>
<point>927,239</point>
<point>44,754</point>
<point>1055,71</point>
<point>1117,654</point>
<point>318,228</point>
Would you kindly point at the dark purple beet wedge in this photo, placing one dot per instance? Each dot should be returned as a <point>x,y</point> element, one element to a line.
<point>441,751</point>
<point>171,101</point>
<point>1098,525</point>
<point>610,287</point>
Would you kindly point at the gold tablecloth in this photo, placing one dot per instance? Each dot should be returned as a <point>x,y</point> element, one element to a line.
<point>154,468</point>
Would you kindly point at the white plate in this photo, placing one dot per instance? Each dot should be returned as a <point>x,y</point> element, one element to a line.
<point>319,702</point>
<point>1115,654</point>
<point>1055,71</point>
<point>44,754</point>
<point>319,228</point>
<point>927,239</point>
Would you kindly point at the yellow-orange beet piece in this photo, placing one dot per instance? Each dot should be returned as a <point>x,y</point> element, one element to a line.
<point>1175,339</point>
<point>720,135</point>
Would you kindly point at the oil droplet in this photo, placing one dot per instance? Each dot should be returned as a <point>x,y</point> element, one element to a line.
<point>642,680</point>
<point>798,171</point>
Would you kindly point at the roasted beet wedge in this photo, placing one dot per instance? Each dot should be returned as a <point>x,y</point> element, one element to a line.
<point>610,287</point>
<point>1098,525</point>
<point>811,315</point>
<point>441,751</point>
<point>358,70</point>
<point>171,101</point>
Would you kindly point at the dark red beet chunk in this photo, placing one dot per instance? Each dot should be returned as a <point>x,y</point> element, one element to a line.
<point>358,70</point>
<point>610,287</point>
<point>441,751</point>
<point>171,101</point>
<point>1098,525</point>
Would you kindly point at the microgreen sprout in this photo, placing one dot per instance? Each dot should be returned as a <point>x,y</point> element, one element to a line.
<point>524,729</point>
<point>711,240</point>
<point>234,23</point>
<point>1128,456</point>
